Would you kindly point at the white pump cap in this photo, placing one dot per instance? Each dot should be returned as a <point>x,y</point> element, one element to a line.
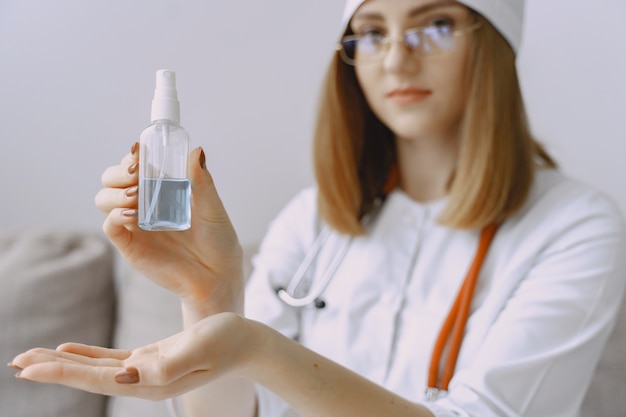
<point>165,105</point>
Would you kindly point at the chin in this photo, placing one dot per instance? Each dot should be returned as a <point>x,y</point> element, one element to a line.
<point>415,127</point>
<point>415,131</point>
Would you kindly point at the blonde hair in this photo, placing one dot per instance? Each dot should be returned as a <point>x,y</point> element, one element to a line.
<point>355,155</point>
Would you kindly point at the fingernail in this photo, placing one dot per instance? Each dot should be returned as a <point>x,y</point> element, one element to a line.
<point>132,191</point>
<point>127,376</point>
<point>202,159</point>
<point>134,148</point>
<point>129,213</point>
<point>11,365</point>
<point>132,168</point>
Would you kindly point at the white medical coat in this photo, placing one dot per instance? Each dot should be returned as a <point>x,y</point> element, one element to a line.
<point>543,309</point>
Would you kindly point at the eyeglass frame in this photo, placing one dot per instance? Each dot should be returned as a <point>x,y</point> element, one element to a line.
<point>387,41</point>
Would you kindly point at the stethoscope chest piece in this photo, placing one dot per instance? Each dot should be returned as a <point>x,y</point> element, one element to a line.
<point>433,394</point>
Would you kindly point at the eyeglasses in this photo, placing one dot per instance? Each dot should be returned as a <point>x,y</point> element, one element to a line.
<point>426,41</point>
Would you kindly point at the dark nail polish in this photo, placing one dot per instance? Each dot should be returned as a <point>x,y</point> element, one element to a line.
<point>132,191</point>
<point>127,376</point>
<point>134,148</point>
<point>202,159</point>
<point>133,168</point>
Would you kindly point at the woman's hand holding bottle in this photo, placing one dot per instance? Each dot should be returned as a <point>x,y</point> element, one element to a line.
<point>202,265</point>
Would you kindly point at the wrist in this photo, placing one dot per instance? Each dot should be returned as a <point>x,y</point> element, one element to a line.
<point>218,293</point>
<point>267,354</point>
<point>196,310</point>
<point>255,355</point>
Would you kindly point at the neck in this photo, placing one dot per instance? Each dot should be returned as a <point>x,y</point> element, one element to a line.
<point>426,166</point>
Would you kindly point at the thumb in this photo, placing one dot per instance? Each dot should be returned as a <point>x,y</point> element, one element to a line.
<point>206,203</point>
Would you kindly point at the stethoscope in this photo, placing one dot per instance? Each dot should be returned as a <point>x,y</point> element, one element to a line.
<point>312,297</point>
<point>451,334</point>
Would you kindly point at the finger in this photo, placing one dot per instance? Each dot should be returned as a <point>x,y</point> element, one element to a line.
<point>206,202</point>
<point>102,380</point>
<point>175,388</point>
<point>93,370</point>
<point>94,351</point>
<point>176,359</point>
<point>40,355</point>
<point>88,378</point>
<point>133,156</point>
<point>116,177</point>
<point>131,379</point>
<point>33,356</point>
<point>134,152</point>
<point>108,199</point>
<point>119,226</point>
<point>121,176</point>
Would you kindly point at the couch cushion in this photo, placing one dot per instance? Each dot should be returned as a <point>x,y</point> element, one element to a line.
<point>55,287</point>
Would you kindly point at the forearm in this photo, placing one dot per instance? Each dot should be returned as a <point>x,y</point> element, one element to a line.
<point>227,396</point>
<point>316,386</point>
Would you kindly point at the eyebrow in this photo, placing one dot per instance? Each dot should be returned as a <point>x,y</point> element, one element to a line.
<point>414,12</point>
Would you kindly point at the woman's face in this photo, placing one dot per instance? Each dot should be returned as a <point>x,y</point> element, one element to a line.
<point>416,95</point>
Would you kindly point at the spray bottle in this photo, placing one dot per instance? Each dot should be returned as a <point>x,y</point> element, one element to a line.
<point>164,188</point>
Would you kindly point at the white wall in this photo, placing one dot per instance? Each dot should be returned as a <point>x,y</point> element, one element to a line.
<point>77,77</point>
<point>573,71</point>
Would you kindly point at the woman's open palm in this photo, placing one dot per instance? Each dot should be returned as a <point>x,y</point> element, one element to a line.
<point>209,349</point>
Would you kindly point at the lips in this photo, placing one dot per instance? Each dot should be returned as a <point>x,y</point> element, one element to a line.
<point>409,95</point>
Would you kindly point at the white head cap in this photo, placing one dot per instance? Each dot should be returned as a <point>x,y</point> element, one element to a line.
<point>506,15</point>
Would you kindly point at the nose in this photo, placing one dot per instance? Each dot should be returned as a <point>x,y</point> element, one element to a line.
<point>399,57</point>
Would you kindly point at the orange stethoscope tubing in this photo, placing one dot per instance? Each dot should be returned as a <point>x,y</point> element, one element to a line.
<point>453,328</point>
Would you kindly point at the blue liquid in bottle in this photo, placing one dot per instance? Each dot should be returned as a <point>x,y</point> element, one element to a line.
<point>170,210</point>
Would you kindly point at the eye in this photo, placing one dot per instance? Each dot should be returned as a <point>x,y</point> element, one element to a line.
<point>371,41</point>
<point>442,22</point>
<point>438,34</point>
<point>372,34</point>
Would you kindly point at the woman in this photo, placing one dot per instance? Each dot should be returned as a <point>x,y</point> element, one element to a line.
<point>429,185</point>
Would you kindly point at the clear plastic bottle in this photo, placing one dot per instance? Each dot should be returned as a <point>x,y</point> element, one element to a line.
<point>164,187</point>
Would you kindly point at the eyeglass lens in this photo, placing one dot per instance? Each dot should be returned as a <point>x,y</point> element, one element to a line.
<point>428,40</point>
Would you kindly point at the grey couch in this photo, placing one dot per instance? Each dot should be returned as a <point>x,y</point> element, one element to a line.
<point>71,286</point>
